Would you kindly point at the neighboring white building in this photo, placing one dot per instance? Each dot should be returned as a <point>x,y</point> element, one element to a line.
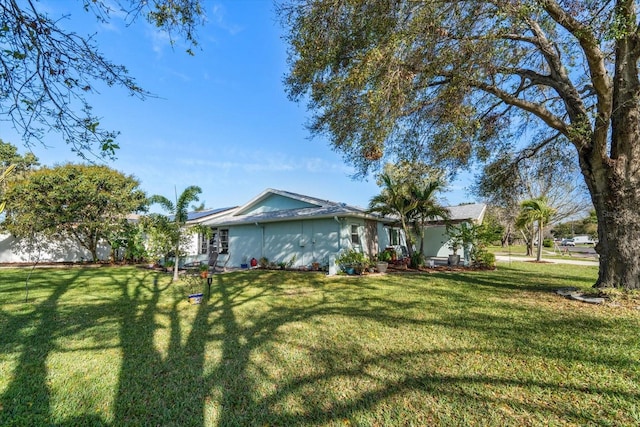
<point>13,250</point>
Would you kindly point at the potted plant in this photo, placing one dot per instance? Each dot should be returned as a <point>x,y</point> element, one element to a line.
<point>371,264</point>
<point>383,261</point>
<point>204,270</point>
<point>455,243</point>
<point>351,261</point>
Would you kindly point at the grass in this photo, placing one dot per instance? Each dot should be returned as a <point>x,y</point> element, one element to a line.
<point>121,346</point>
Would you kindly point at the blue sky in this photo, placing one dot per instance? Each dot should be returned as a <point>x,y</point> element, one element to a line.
<point>221,120</point>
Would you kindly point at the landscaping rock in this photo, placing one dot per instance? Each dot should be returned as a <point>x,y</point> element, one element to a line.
<point>574,294</point>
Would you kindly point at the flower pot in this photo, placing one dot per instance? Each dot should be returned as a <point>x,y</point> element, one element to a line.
<point>382,267</point>
<point>454,259</point>
<point>195,298</point>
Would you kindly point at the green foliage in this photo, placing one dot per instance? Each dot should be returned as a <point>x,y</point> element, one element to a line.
<point>85,203</point>
<point>474,237</point>
<point>535,211</point>
<point>385,256</point>
<point>417,260</point>
<point>351,257</point>
<point>481,257</point>
<point>547,243</point>
<point>412,200</point>
<point>23,163</point>
<point>179,211</point>
<point>461,235</point>
<point>5,173</point>
<point>455,82</point>
<point>42,93</point>
<point>161,234</point>
<point>130,238</point>
<point>13,166</point>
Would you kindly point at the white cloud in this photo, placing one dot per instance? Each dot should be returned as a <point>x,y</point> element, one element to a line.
<point>218,18</point>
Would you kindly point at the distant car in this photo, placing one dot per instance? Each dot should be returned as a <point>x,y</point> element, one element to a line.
<point>568,242</point>
<point>583,240</point>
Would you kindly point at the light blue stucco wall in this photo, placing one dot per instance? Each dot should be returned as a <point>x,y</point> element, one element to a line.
<point>245,242</point>
<point>383,237</point>
<point>435,242</point>
<point>309,241</point>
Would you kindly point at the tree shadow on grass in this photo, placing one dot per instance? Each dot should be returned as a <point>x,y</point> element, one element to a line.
<point>26,401</point>
<point>219,362</point>
<point>244,401</point>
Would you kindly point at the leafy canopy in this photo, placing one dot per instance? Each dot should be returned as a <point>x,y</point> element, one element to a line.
<point>449,82</point>
<point>47,72</point>
<point>85,203</point>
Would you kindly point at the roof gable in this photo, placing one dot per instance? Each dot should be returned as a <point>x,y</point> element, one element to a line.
<point>277,205</point>
<point>469,212</point>
<point>273,200</point>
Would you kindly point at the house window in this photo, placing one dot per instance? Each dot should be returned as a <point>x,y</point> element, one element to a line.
<point>205,243</point>
<point>394,236</point>
<point>355,236</point>
<point>224,241</point>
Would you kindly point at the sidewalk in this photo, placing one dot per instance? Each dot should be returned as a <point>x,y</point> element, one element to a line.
<point>521,258</point>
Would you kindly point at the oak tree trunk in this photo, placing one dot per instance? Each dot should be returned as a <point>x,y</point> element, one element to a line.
<point>619,243</point>
<point>610,164</point>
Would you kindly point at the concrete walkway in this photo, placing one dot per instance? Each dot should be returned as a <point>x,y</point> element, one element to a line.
<point>520,258</point>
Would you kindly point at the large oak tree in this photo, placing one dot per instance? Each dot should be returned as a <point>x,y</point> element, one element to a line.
<point>453,81</point>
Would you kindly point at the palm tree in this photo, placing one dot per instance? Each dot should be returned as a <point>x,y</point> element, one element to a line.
<point>179,212</point>
<point>427,208</point>
<point>395,200</point>
<point>536,210</point>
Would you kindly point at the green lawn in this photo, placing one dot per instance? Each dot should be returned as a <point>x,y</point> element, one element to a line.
<point>121,346</point>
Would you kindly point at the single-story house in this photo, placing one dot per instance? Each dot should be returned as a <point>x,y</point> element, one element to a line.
<point>291,228</point>
<point>286,227</point>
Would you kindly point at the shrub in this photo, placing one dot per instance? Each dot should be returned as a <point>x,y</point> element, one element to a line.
<point>351,257</point>
<point>417,260</point>
<point>547,243</point>
<point>484,258</point>
<point>385,256</point>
